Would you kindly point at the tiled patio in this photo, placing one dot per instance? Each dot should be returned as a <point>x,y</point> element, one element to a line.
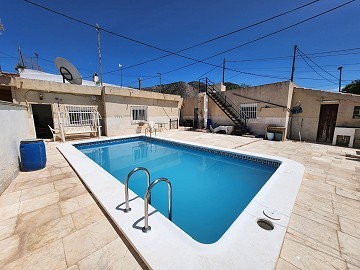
<point>48,220</point>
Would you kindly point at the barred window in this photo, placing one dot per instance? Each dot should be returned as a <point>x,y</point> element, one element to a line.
<point>356,113</point>
<point>138,114</point>
<point>250,110</point>
<point>79,115</point>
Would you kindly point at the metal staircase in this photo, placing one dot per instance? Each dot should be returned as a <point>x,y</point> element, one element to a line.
<point>228,107</point>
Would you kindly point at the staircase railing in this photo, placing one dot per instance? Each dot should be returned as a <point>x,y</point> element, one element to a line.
<point>212,91</point>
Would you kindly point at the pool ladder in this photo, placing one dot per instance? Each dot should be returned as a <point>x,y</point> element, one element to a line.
<point>147,197</point>
<point>147,228</point>
<point>127,207</point>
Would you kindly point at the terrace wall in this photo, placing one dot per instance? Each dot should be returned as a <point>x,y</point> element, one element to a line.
<point>14,127</point>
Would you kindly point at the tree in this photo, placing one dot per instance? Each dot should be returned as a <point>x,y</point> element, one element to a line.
<point>232,86</point>
<point>353,87</point>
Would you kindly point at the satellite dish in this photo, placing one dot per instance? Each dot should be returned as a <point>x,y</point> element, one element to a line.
<point>68,71</point>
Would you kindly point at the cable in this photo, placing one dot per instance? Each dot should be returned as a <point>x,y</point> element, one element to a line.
<point>257,39</point>
<point>301,55</point>
<point>315,63</point>
<point>163,50</point>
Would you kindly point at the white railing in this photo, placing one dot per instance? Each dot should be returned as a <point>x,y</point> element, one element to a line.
<point>79,119</point>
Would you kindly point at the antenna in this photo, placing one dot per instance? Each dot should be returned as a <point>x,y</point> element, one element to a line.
<point>68,71</point>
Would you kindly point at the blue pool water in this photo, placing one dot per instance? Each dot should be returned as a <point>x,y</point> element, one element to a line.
<point>210,189</point>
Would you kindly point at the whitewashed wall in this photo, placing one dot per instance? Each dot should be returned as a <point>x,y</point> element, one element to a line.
<point>14,127</point>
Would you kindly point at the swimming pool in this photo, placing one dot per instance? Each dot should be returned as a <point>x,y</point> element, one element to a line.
<point>236,241</point>
<point>210,188</point>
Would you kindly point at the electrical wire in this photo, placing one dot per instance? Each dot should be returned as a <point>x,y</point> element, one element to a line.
<point>301,55</point>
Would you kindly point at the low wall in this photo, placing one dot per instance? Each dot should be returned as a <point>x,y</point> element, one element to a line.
<point>14,127</point>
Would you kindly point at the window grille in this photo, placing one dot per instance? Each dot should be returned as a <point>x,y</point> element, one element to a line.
<point>138,114</point>
<point>250,110</point>
<point>79,116</point>
<point>356,113</point>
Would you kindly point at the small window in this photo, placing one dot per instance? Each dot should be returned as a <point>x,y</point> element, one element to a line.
<point>249,109</point>
<point>138,114</point>
<point>356,113</point>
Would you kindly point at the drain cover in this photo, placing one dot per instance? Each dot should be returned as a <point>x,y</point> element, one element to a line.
<point>265,224</point>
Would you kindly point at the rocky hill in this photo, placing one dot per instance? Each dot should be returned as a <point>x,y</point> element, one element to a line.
<point>187,90</point>
<point>182,89</point>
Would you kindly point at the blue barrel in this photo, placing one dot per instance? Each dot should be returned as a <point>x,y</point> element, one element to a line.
<point>32,154</point>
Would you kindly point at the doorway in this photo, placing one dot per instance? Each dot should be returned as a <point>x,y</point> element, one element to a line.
<point>43,118</point>
<point>327,122</point>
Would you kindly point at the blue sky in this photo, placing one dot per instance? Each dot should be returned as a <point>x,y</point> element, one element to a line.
<point>174,25</point>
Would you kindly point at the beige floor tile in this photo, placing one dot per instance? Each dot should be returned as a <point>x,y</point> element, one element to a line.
<point>71,192</point>
<point>352,267</point>
<point>74,267</point>
<point>313,234</point>
<point>348,193</point>
<point>9,211</point>
<point>29,221</point>
<point>76,203</point>
<point>86,241</point>
<point>50,257</point>
<point>345,200</point>
<point>48,232</point>
<point>284,265</point>
<point>9,249</point>
<point>9,198</point>
<point>30,183</point>
<point>86,216</point>
<point>304,257</point>
<point>315,201</point>
<point>67,183</point>
<point>7,227</point>
<point>329,219</point>
<point>349,226</point>
<point>347,211</point>
<point>38,202</point>
<point>37,191</point>
<point>112,256</point>
<point>350,247</point>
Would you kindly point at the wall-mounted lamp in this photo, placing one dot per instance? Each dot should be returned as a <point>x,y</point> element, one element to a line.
<point>41,97</point>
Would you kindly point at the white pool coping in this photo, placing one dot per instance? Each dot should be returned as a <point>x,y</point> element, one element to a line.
<point>243,246</point>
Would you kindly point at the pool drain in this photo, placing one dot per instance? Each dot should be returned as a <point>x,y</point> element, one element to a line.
<point>265,224</point>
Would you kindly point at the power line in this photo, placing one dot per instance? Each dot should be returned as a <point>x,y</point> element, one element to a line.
<point>262,37</point>
<point>158,48</point>
<point>315,63</point>
<point>301,55</point>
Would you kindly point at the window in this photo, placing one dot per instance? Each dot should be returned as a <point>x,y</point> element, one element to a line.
<point>79,115</point>
<point>356,113</point>
<point>249,109</point>
<point>138,114</point>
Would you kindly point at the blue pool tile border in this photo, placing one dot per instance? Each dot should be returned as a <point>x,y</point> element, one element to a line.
<point>264,161</point>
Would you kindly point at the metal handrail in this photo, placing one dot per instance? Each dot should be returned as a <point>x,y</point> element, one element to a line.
<point>150,130</point>
<point>242,115</point>
<point>147,228</point>
<point>127,208</point>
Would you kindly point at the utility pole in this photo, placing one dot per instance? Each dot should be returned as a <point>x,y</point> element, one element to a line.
<point>293,64</point>
<point>37,60</point>
<point>120,67</point>
<point>223,75</point>
<point>139,83</point>
<point>160,81</point>
<point>97,27</point>
<point>340,68</point>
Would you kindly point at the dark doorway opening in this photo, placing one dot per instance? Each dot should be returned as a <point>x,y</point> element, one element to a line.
<point>196,118</point>
<point>42,114</point>
<point>327,122</point>
<point>5,94</point>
